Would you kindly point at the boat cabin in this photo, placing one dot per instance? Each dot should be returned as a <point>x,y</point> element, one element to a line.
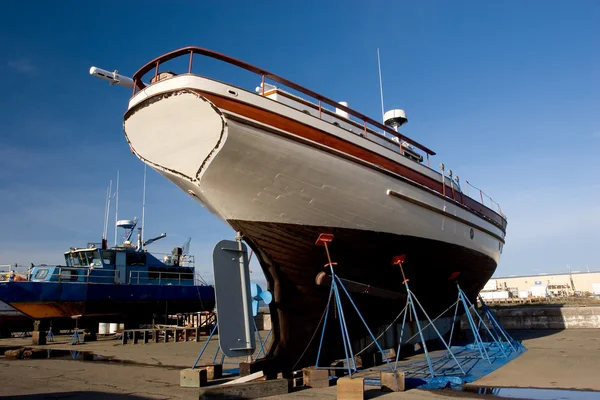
<point>117,265</point>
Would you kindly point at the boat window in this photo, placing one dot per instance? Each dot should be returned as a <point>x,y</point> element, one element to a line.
<point>41,274</point>
<point>108,257</point>
<point>69,274</point>
<point>83,258</point>
<point>94,258</point>
<point>68,260</point>
<point>135,259</point>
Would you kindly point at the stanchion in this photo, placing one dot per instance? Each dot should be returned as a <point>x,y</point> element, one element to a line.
<point>411,307</point>
<point>76,338</point>
<point>50,335</point>
<point>334,293</point>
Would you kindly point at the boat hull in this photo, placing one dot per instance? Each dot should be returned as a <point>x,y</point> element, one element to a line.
<point>282,177</point>
<point>55,300</point>
<point>292,262</point>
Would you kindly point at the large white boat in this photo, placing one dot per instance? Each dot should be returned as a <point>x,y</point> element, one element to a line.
<point>282,164</point>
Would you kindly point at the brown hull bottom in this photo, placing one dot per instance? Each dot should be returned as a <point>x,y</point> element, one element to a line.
<point>291,261</point>
<point>92,312</point>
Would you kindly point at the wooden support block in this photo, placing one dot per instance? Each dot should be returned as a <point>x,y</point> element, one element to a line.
<point>197,338</point>
<point>337,369</point>
<point>391,353</point>
<point>266,365</point>
<point>135,337</point>
<point>124,337</point>
<point>185,334</point>
<point>146,336</point>
<point>315,378</point>
<point>155,336</point>
<point>378,358</point>
<point>38,338</point>
<point>213,371</point>
<point>166,336</point>
<point>250,390</point>
<point>349,388</point>
<point>392,381</point>
<point>196,377</point>
<point>367,360</point>
<point>176,335</point>
<point>289,378</point>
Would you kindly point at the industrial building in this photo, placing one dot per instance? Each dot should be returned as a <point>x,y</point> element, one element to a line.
<point>543,285</point>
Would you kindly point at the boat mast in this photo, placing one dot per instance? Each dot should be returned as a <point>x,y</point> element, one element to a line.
<point>380,88</point>
<point>109,195</point>
<point>116,207</point>
<point>105,213</point>
<point>143,206</point>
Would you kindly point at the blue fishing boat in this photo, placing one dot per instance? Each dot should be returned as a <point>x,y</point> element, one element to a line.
<point>125,282</point>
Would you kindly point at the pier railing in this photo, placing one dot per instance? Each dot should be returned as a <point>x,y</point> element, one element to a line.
<point>370,126</point>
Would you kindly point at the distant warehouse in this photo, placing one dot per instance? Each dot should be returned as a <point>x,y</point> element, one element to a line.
<point>543,285</point>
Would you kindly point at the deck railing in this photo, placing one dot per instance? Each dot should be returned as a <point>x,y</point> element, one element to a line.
<point>160,278</point>
<point>483,198</point>
<point>72,275</point>
<point>369,125</point>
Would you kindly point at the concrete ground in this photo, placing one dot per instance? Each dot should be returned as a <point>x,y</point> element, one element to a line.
<point>555,359</point>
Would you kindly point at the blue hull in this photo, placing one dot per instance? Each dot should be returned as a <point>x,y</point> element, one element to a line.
<point>41,300</point>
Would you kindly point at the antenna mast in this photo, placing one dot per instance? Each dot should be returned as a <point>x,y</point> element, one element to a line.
<point>116,207</point>
<point>143,204</point>
<point>105,213</point>
<point>107,210</point>
<point>380,87</point>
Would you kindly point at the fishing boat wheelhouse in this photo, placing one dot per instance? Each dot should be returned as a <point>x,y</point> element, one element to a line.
<point>124,282</point>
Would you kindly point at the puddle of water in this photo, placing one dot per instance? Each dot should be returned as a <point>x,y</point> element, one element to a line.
<point>76,355</point>
<point>531,393</point>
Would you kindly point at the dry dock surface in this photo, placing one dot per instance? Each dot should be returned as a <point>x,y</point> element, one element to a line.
<point>555,359</point>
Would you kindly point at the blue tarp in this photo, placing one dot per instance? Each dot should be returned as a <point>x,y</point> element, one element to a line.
<point>446,371</point>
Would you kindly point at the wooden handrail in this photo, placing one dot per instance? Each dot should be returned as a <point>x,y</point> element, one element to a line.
<point>191,50</point>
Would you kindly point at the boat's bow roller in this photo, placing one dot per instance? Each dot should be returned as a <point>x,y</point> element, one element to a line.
<point>176,131</point>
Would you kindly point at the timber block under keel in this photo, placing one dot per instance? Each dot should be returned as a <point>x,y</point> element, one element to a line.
<point>38,338</point>
<point>337,369</point>
<point>267,365</point>
<point>392,381</point>
<point>213,371</point>
<point>196,377</point>
<point>250,390</point>
<point>351,388</point>
<point>369,360</point>
<point>315,378</point>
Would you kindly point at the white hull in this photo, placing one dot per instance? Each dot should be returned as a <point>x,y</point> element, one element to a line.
<point>242,170</point>
<point>282,177</point>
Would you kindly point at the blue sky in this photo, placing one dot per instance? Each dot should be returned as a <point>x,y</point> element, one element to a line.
<point>507,93</point>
